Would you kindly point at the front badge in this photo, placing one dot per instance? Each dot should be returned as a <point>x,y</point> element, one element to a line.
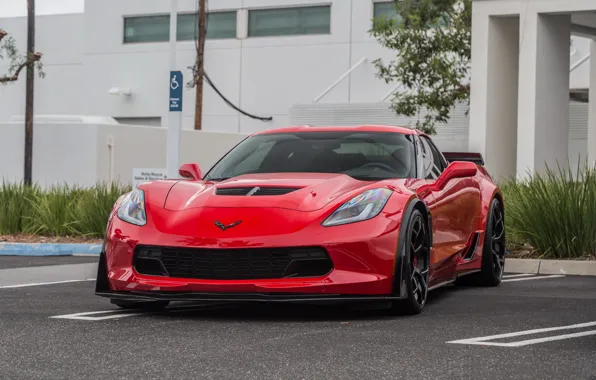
<point>224,227</point>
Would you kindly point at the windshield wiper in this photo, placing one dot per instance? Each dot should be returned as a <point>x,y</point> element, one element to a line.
<point>219,179</point>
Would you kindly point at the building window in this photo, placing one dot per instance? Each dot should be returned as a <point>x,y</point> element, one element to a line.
<point>157,28</point>
<point>289,21</point>
<point>387,9</point>
<point>219,25</point>
<point>146,29</point>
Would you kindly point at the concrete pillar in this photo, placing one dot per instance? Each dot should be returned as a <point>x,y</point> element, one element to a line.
<point>592,108</point>
<point>493,98</point>
<point>543,108</point>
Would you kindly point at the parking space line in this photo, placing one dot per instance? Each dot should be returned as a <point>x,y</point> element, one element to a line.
<point>42,283</point>
<point>89,316</point>
<point>533,278</point>
<point>485,341</point>
<point>519,275</point>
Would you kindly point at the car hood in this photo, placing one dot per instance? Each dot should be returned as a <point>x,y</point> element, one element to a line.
<point>294,191</point>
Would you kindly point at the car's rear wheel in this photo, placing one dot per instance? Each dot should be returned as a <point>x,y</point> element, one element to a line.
<point>493,250</point>
<point>493,253</point>
<point>415,251</point>
<point>144,305</point>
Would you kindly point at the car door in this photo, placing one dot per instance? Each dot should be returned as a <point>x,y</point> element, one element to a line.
<point>455,210</point>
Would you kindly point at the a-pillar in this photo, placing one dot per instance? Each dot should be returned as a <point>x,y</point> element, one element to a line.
<point>592,108</point>
<point>543,108</point>
<point>493,94</point>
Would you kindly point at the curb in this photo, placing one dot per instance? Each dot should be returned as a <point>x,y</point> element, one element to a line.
<point>43,249</point>
<point>536,266</point>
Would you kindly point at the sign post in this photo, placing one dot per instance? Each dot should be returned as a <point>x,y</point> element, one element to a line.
<point>175,101</point>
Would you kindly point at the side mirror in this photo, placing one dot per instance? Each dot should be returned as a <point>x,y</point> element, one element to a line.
<point>457,169</point>
<point>191,171</point>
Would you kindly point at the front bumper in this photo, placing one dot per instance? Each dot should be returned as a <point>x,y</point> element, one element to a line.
<point>363,256</point>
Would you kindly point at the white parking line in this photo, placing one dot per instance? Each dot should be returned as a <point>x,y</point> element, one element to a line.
<point>484,341</point>
<point>519,275</point>
<point>533,278</point>
<point>42,283</point>
<point>88,316</point>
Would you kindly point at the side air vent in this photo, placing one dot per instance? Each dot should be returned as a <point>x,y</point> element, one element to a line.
<point>254,191</point>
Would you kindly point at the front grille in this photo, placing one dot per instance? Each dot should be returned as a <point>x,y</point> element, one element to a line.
<point>254,191</point>
<point>232,264</point>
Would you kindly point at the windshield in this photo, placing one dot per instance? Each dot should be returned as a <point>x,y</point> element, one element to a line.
<point>361,155</point>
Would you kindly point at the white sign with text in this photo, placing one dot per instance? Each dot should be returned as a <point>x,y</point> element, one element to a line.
<point>140,176</point>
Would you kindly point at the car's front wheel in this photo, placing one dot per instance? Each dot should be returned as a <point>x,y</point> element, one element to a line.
<point>144,305</point>
<point>415,250</point>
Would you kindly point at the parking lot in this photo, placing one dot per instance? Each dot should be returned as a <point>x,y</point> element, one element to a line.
<point>52,326</point>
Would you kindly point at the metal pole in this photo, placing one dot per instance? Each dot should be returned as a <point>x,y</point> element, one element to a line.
<point>174,118</point>
<point>202,20</point>
<point>28,175</point>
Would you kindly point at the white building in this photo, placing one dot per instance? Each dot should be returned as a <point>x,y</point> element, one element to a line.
<point>277,58</point>
<point>520,79</point>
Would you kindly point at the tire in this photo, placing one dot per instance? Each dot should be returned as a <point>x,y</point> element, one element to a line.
<point>145,305</point>
<point>493,250</point>
<point>415,252</point>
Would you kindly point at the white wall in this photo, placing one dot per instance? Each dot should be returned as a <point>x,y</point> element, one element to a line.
<point>79,154</point>
<point>264,76</point>
<point>60,39</point>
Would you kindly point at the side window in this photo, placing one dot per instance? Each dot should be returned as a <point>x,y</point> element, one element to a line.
<point>432,165</point>
<point>437,156</point>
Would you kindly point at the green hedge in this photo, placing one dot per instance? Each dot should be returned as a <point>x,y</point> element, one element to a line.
<point>554,213</point>
<point>58,211</point>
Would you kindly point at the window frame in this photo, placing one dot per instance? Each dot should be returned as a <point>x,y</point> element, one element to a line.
<point>287,7</point>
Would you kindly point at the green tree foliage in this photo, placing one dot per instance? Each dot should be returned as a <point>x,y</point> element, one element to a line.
<point>17,62</point>
<point>432,43</point>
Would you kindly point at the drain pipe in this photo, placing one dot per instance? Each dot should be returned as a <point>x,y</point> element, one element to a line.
<point>111,148</point>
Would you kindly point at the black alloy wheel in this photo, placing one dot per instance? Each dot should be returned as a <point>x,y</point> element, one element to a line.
<point>416,265</point>
<point>493,250</point>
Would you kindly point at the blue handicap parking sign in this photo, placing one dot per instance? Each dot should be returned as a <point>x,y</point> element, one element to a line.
<point>176,91</point>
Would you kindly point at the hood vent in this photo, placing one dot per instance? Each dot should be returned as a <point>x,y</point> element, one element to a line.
<point>254,190</point>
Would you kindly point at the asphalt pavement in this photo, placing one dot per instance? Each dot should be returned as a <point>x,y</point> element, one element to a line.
<point>530,327</point>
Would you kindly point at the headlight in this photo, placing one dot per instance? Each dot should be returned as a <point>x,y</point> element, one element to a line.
<point>362,207</point>
<point>132,208</point>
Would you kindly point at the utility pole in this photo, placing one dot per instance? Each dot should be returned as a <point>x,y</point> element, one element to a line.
<point>29,96</point>
<point>200,74</point>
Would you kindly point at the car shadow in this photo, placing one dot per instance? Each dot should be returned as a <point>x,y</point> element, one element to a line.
<point>287,312</point>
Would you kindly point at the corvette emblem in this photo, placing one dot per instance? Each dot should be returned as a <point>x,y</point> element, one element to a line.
<point>224,227</point>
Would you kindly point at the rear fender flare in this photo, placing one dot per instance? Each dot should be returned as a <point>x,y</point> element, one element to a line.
<point>399,286</point>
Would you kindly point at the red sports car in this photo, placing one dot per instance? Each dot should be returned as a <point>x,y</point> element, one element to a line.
<point>309,214</point>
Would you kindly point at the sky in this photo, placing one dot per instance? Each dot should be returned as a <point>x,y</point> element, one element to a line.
<point>17,8</point>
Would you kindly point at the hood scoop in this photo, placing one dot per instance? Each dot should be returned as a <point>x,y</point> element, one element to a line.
<point>254,190</point>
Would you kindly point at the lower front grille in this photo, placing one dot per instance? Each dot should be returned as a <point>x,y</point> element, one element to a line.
<point>232,264</point>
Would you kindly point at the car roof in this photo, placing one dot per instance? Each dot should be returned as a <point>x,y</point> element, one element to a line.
<point>359,128</point>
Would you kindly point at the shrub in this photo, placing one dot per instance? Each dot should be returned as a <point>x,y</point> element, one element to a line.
<point>54,212</point>
<point>16,207</point>
<point>57,211</point>
<point>94,206</point>
<point>555,212</point>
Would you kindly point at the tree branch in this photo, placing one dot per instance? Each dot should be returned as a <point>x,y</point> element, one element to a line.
<point>30,61</point>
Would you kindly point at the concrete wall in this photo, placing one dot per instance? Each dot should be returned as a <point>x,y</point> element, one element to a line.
<point>60,38</point>
<point>79,153</point>
<point>264,76</point>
